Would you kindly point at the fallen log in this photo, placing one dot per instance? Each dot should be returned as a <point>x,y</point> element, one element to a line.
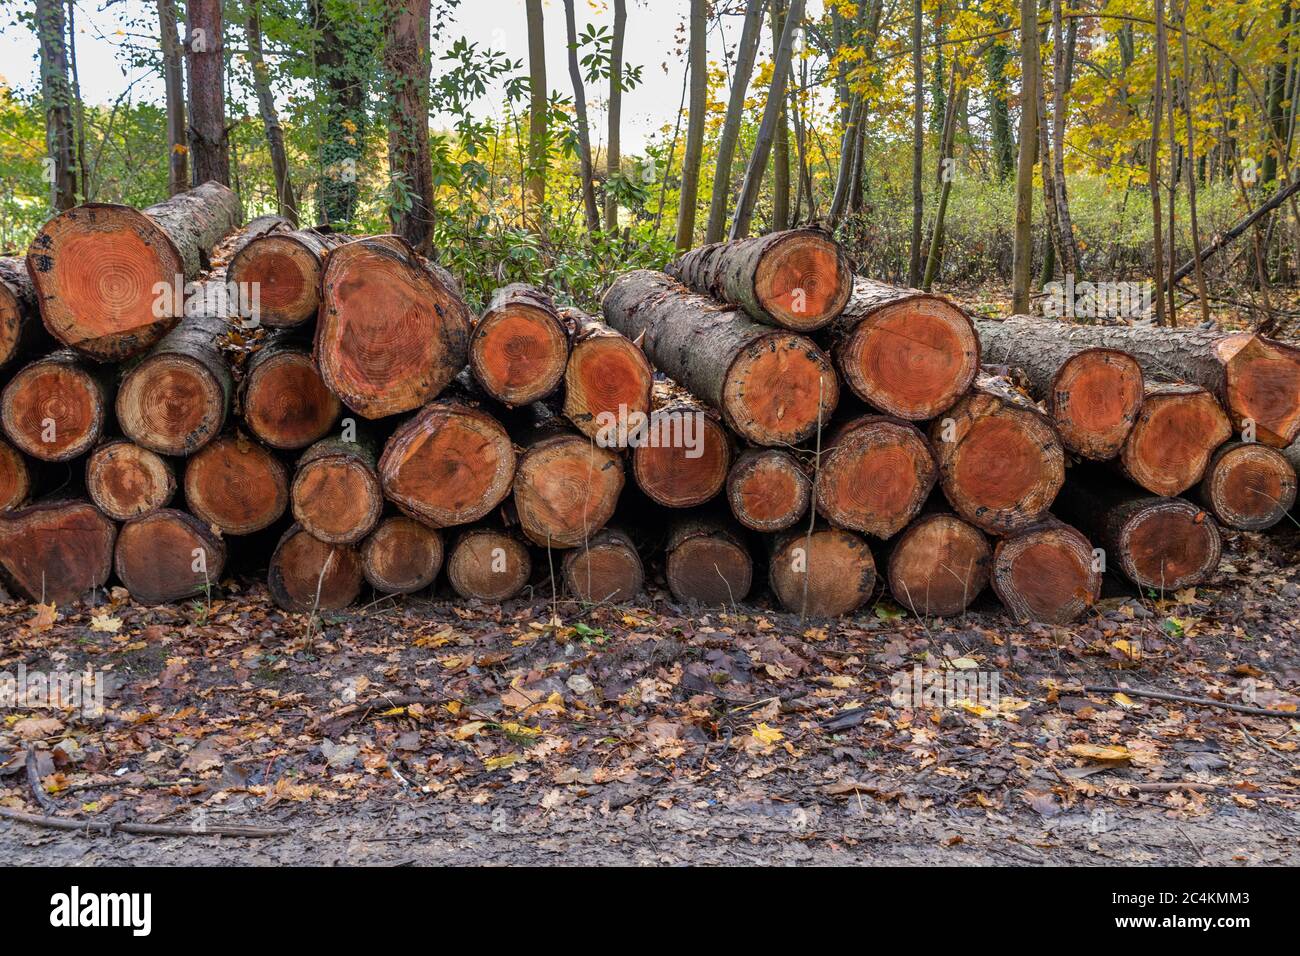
<point>938,565</point>
<point>488,564</point>
<point>519,347</point>
<point>104,273</point>
<point>336,495</point>
<point>798,279</point>
<point>54,409</point>
<point>126,481</point>
<point>1173,438</point>
<point>768,489</point>
<point>308,575</point>
<point>772,387</point>
<point>285,266</point>
<point>1046,573</point>
<point>1000,462</point>
<point>56,550</point>
<point>566,487</point>
<point>22,335</point>
<point>1093,394</point>
<point>392,331</point>
<point>401,556</point>
<point>607,378</point>
<point>236,485</point>
<point>448,464</point>
<point>906,353</point>
<point>607,569</point>
<point>681,457</point>
<point>875,475</point>
<point>285,403</point>
<point>706,562</point>
<point>15,477</point>
<point>168,555</point>
<point>823,573</point>
<point>1248,486</point>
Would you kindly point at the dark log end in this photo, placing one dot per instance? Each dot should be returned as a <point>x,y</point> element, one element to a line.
<point>401,556</point>
<point>236,485</point>
<point>565,489</point>
<point>1249,486</point>
<point>684,460</point>
<point>876,476</point>
<point>57,550</point>
<point>53,409</point>
<point>286,404</point>
<point>1172,441</point>
<point>707,564</point>
<point>1167,544</point>
<point>171,403</point>
<point>1047,574</point>
<point>488,565</point>
<point>607,570</point>
<point>307,574</point>
<point>827,573</point>
<point>938,566</point>
<point>768,489</point>
<point>126,481</point>
<point>1096,398</point>
<point>168,555</point>
<point>778,389</point>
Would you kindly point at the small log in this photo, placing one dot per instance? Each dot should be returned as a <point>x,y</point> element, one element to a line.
<point>1174,437</point>
<point>57,549</point>
<point>707,562</point>
<point>336,495</point>
<point>236,485</point>
<point>168,555</point>
<point>566,487</point>
<point>1248,486</point>
<point>488,564</point>
<point>1047,573</point>
<point>607,379</point>
<point>607,569</point>
<point>681,457</point>
<point>126,481</point>
<point>876,473</point>
<point>285,266</point>
<point>22,335</point>
<point>798,279</point>
<point>308,575</point>
<point>98,268</point>
<point>1000,462</point>
<point>519,347</point>
<point>15,478</point>
<point>823,574</point>
<point>54,408</point>
<point>938,565</point>
<point>401,556</point>
<point>768,489</point>
<point>448,464</point>
<point>773,387</point>
<point>285,402</point>
<point>909,354</point>
<point>392,332</point>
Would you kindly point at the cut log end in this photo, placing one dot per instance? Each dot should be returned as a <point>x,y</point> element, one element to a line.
<point>803,281</point>
<point>1047,574</point>
<point>1167,544</point>
<point>707,564</point>
<point>286,274</point>
<point>1249,486</point>
<point>126,481</point>
<point>401,556</point>
<point>1096,399</point>
<point>565,489</point>
<point>938,566</point>
<point>56,551</point>
<point>53,409</point>
<point>171,404</point>
<point>685,460</point>
<point>768,489</point>
<point>518,353</point>
<point>607,380</point>
<point>308,575</point>
<point>607,570</point>
<point>779,389</point>
<point>825,574</point>
<point>168,555</point>
<point>489,565</point>
<point>876,476</point>
<point>1262,385</point>
<point>286,404</point>
<point>15,478</point>
<point>336,498</point>
<point>1171,443</point>
<point>236,486</point>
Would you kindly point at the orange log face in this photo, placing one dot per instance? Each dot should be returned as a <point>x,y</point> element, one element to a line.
<point>778,388</point>
<point>1046,574</point>
<point>287,276</point>
<point>1096,399</point>
<point>939,566</point>
<point>1249,486</point>
<point>126,481</point>
<point>15,479</point>
<point>1171,444</point>
<point>167,556</point>
<point>518,354</point>
<point>768,490</point>
<point>1262,385</point>
<point>171,404</point>
<point>1169,545</point>
<point>11,323</point>
<point>336,498</point>
<point>57,552</point>
<point>709,569</point>
<point>802,281</point>
<point>825,574</point>
<point>53,410</point>
<point>236,485</point>
<point>913,359</point>
<point>488,565</point>
<point>608,379</point>
<point>876,477</point>
<point>566,489</point>
<point>286,404</point>
<point>401,556</point>
<point>607,571</point>
<point>309,575</point>
<point>686,460</point>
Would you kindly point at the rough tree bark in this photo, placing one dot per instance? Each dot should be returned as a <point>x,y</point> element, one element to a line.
<point>178,150</point>
<point>205,52</point>
<point>688,192</point>
<point>407,63</point>
<point>285,199</point>
<point>56,93</point>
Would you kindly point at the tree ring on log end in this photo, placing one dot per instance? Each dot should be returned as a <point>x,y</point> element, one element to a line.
<point>518,353</point>
<point>607,570</point>
<point>876,477</point>
<point>803,281</point>
<point>236,485</point>
<point>566,488</point>
<point>939,566</point>
<point>709,569</point>
<point>1169,544</point>
<point>831,568</point>
<point>1262,382</point>
<point>488,565</point>
<point>777,387</point>
<point>15,479</point>
<point>1096,398</point>
<point>607,378</point>
<point>768,490</point>
<point>286,404</point>
<point>171,404</point>
<point>401,556</point>
<point>308,574</point>
<point>1249,486</point>
<point>53,409</point>
<point>1170,446</point>
<point>126,481</point>
<point>1046,574</point>
<point>286,275</point>
<point>665,471</point>
<point>157,557</point>
<point>336,498</point>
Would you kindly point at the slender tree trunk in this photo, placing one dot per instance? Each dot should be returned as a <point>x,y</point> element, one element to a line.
<point>406,58</point>
<point>536,173</point>
<point>698,54</point>
<point>178,167</point>
<point>56,91</point>
<point>613,158</point>
<point>209,143</point>
<point>83,176</point>
<point>781,144</point>
<point>1004,150</point>
<point>286,202</point>
<point>584,136</point>
<point>849,146</point>
<point>343,64</point>
<point>918,145</point>
<point>1162,63</point>
<point>1023,247</point>
<point>1191,172</point>
<point>1153,181</point>
<point>749,32</point>
<point>1275,94</point>
<point>1060,85</point>
<point>947,173</point>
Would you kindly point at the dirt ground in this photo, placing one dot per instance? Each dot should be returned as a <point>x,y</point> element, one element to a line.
<point>426,731</point>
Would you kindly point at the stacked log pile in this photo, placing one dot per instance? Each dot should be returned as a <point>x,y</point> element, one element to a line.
<point>755,419</point>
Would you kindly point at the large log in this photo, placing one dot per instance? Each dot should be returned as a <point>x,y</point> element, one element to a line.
<point>401,556</point>
<point>22,335</point>
<point>15,477</point>
<point>607,378</point>
<point>488,564</point>
<point>168,555</point>
<point>1255,378</point>
<point>823,574</point>
<point>1248,486</point>
<point>236,485</point>
<point>336,494</point>
<point>284,400</point>
<point>1177,431</point>
<point>1046,573</point>
<point>566,487</point>
<point>1000,461</point>
<point>56,550</point>
<point>909,354</point>
<point>768,489</point>
<point>448,464</point>
<point>519,347</point>
<point>285,266</point>
<point>706,562</point>
<point>308,575</point>
<point>126,481</point>
<point>103,272</point>
<point>875,475</point>
<point>1093,394</point>
<point>681,457</point>
<point>392,330</point>
<point>938,565</point>
<point>773,387</point>
<point>54,408</point>
<point>799,279</point>
<point>607,569</point>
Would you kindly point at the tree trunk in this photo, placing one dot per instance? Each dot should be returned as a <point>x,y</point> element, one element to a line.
<point>580,111</point>
<point>918,145</point>
<point>1248,486</point>
<point>1004,149</point>
<point>607,378</point>
<point>22,335</point>
<point>488,564</point>
<point>849,146</point>
<point>307,575</point>
<point>15,478</point>
<point>565,487</point>
<point>875,475</point>
<point>285,200</point>
<point>407,63</point>
<point>401,556</point>
<point>537,108</point>
<point>781,140</point>
<point>688,192</point>
<point>205,50</point>
<point>749,33</point>
<point>706,562</point>
<point>1153,180</point>
<point>938,566</point>
<point>606,570</point>
<point>392,331</point>
<point>285,267</point>
<point>821,573</point>
<point>613,157</point>
<point>236,486</point>
<point>768,489</point>
<point>519,349</point>
<point>168,555</point>
<point>1060,86</point>
<point>1193,222</point>
<point>285,404</point>
<point>56,550</point>
<point>54,408</point>
<point>98,268</point>
<point>1022,252</point>
<point>772,387</point>
<point>344,60</point>
<point>173,54</point>
<point>335,494</point>
<point>799,279</point>
<point>1046,573</point>
<point>907,353</point>
<point>1173,438</point>
<point>56,92</point>
<point>126,481</point>
<point>683,456</point>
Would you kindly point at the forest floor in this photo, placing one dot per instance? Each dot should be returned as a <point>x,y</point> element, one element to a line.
<point>434,732</point>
